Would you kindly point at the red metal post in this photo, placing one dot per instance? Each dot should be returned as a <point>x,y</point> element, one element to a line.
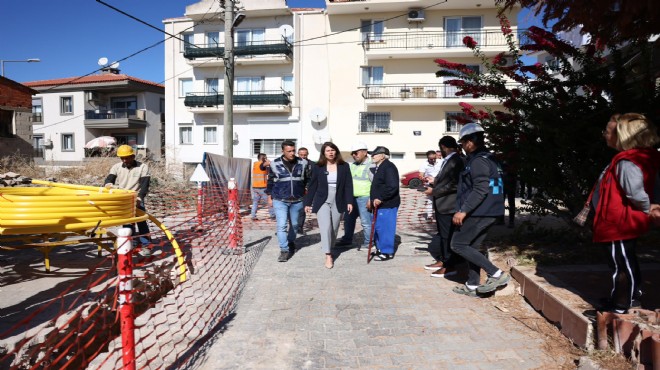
<point>126,316</point>
<point>232,210</point>
<point>199,203</point>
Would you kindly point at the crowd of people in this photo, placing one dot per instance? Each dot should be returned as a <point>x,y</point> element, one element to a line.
<point>466,187</point>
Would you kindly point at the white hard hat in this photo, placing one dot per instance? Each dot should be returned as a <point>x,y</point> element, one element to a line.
<point>360,145</point>
<point>469,128</point>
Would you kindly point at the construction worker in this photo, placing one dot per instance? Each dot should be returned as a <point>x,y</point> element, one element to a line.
<point>259,184</point>
<point>130,174</point>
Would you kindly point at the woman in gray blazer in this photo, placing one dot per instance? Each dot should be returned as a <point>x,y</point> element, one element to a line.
<point>329,194</point>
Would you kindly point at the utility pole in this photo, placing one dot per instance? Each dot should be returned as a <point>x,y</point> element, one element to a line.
<point>229,80</point>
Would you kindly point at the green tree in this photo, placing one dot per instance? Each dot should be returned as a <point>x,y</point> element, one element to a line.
<point>551,131</point>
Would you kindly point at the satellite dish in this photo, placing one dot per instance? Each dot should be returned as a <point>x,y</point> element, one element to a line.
<point>114,65</point>
<point>103,61</point>
<point>286,31</point>
<point>317,115</point>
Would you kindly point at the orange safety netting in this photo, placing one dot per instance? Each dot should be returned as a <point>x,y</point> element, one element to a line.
<point>68,318</point>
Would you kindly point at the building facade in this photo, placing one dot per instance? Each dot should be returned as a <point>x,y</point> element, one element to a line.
<point>15,119</point>
<point>69,112</point>
<point>357,70</point>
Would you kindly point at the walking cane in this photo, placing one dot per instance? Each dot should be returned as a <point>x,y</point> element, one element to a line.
<point>371,237</point>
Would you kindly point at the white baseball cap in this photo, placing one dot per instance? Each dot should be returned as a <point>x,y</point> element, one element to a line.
<point>360,145</point>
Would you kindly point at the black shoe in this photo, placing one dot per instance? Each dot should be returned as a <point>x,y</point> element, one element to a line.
<point>284,256</point>
<point>342,243</point>
<point>300,231</point>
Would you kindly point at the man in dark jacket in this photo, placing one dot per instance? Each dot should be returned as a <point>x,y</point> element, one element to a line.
<point>384,198</point>
<point>479,202</point>
<point>444,189</point>
<point>287,179</point>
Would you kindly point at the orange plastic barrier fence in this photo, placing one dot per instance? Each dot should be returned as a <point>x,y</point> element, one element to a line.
<point>69,318</point>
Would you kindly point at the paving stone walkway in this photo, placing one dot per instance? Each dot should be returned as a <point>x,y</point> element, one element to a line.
<point>385,315</point>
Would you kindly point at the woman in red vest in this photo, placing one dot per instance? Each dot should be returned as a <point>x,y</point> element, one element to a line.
<point>622,201</point>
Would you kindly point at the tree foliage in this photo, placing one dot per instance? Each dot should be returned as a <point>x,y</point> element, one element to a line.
<point>610,21</point>
<point>551,130</point>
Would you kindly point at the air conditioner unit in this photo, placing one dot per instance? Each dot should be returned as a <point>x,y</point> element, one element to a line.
<point>93,96</point>
<point>415,15</point>
<point>506,61</point>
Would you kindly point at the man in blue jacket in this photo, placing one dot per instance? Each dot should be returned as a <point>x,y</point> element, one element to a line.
<point>479,203</point>
<point>287,179</point>
<point>384,197</point>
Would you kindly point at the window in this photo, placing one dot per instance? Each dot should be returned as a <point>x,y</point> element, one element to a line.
<point>213,39</point>
<point>185,87</point>
<point>287,83</point>
<point>210,135</point>
<point>452,119</point>
<point>377,122</point>
<point>212,86</point>
<point>37,110</point>
<point>250,37</point>
<point>185,135</point>
<point>68,143</point>
<point>372,76</point>
<point>372,30</point>
<point>188,40</point>
<point>162,105</point>
<point>6,123</point>
<point>66,105</point>
<point>459,27</point>
<point>249,84</point>
<point>124,107</point>
<point>38,145</point>
<point>272,147</point>
<point>397,155</point>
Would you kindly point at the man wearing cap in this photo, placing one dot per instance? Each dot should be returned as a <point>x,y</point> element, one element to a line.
<point>479,203</point>
<point>444,189</point>
<point>361,188</point>
<point>130,174</point>
<point>385,200</point>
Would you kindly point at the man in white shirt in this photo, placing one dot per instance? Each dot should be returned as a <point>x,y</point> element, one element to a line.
<point>429,169</point>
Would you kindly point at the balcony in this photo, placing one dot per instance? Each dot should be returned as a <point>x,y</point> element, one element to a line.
<point>243,101</point>
<point>420,94</point>
<point>257,52</point>
<point>116,118</point>
<point>430,44</point>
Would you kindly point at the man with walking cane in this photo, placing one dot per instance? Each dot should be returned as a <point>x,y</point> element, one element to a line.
<point>384,199</point>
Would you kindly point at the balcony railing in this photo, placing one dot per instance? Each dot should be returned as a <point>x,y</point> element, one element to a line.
<point>431,40</point>
<point>415,91</point>
<point>259,97</point>
<point>139,114</point>
<point>282,46</point>
<point>37,117</point>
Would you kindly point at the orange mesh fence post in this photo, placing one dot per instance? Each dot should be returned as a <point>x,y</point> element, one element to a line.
<point>200,202</point>
<point>127,319</point>
<point>233,213</point>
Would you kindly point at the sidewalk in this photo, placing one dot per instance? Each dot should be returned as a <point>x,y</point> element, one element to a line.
<point>299,315</point>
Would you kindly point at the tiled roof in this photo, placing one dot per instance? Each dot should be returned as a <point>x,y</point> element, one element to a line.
<point>90,80</point>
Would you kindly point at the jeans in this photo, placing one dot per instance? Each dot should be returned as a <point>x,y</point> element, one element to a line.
<point>259,196</point>
<point>466,242</point>
<point>286,214</point>
<point>143,229</point>
<point>359,209</point>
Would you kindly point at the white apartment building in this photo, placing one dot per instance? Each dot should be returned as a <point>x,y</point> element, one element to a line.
<point>69,112</point>
<point>265,107</point>
<point>358,70</point>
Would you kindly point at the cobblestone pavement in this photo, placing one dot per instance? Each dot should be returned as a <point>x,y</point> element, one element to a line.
<point>385,315</point>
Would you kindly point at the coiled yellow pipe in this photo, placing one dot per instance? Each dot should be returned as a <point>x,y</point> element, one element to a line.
<point>59,208</point>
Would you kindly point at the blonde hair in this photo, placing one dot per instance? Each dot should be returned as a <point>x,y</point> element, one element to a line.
<point>634,130</point>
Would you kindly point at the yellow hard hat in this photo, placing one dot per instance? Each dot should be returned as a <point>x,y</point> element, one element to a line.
<point>125,151</point>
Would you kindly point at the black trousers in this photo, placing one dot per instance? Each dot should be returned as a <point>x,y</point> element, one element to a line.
<point>626,276</point>
<point>441,251</point>
<point>466,242</point>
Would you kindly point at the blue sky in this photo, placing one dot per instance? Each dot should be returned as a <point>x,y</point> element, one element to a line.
<point>70,36</point>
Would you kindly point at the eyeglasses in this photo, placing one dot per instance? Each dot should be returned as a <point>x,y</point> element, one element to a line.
<point>354,153</point>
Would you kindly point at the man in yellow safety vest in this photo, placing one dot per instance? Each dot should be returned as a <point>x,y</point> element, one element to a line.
<point>361,186</point>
